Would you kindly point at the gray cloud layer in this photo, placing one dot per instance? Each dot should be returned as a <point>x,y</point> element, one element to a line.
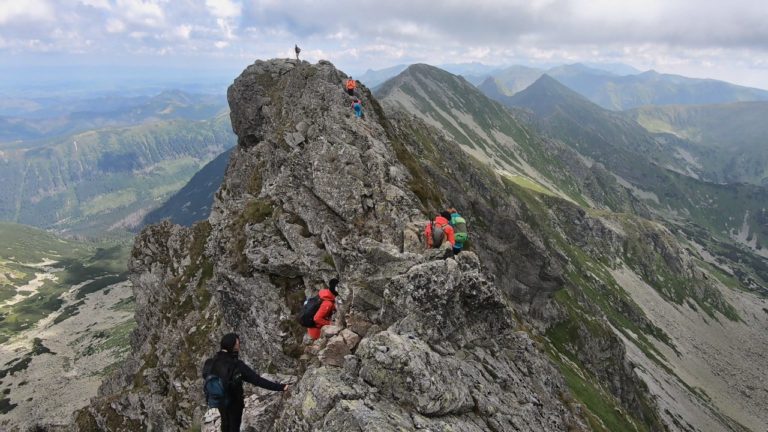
<point>678,35</point>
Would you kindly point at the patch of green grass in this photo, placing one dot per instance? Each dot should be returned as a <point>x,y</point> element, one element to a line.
<point>599,403</point>
<point>529,184</point>
<point>16,365</point>
<point>68,312</point>
<point>6,406</point>
<point>110,201</point>
<point>118,337</point>
<point>100,284</point>
<point>127,304</point>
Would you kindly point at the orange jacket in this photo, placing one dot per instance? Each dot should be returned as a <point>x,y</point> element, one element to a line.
<point>351,84</point>
<point>447,229</point>
<point>323,315</point>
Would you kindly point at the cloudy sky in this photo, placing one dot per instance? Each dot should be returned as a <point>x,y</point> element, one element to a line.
<point>700,38</point>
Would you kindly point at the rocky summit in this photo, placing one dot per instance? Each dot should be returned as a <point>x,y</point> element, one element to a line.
<point>419,342</point>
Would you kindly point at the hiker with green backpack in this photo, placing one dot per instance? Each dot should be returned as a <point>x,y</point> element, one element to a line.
<point>438,231</point>
<point>224,375</point>
<point>459,225</point>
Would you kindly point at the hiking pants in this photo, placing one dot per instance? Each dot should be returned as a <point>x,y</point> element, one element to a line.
<point>231,417</point>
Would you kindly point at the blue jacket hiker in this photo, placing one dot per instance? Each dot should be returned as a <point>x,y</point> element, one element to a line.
<point>358,108</point>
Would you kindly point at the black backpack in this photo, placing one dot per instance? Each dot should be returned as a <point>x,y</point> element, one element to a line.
<point>307,315</point>
<point>438,235</point>
<point>216,388</point>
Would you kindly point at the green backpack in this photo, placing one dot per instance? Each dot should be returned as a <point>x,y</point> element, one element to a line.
<point>459,229</point>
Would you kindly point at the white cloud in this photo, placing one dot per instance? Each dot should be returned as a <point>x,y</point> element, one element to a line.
<point>221,44</point>
<point>99,4</point>
<point>115,26</point>
<point>141,12</point>
<point>183,31</point>
<point>25,11</point>
<point>224,8</point>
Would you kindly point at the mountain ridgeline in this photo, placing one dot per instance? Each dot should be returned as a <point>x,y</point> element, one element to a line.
<point>552,320</point>
<point>619,92</point>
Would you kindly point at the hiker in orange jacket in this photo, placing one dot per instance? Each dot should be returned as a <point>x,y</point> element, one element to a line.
<point>327,308</point>
<point>435,227</point>
<point>351,84</point>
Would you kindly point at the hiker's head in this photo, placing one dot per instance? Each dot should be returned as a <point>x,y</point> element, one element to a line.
<point>230,342</point>
<point>445,214</point>
<point>452,210</point>
<point>332,286</point>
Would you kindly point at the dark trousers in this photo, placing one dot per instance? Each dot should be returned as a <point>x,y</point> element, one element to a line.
<point>231,417</point>
<point>351,92</point>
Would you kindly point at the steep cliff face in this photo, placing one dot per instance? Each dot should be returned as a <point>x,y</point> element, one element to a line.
<point>312,192</point>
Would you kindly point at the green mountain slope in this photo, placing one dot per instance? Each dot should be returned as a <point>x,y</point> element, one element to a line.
<point>37,268</point>
<point>108,178</point>
<point>734,136</point>
<point>194,201</point>
<point>584,254</point>
<point>494,135</point>
<point>66,316</point>
<point>643,161</point>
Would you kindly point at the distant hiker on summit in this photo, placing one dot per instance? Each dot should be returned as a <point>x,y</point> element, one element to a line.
<point>358,107</point>
<point>298,50</point>
<point>438,231</point>
<point>224,375</point>
<point>318,310</point>
<point>351,85</point>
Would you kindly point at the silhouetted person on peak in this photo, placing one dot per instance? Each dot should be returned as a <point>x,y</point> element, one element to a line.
<point>298,50</point>
<point>232,371</point>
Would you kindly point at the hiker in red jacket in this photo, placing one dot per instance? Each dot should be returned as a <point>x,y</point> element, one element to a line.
<point>439,231</point>
<point>327,308</point>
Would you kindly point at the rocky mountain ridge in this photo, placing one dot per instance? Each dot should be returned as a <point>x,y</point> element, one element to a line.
<point>525,331</point>
<point>311,192</point>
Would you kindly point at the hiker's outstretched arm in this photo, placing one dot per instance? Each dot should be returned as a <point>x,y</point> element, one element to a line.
<point>250,376</point>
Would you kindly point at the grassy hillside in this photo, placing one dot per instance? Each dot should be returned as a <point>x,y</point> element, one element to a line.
<point>37,268</point>
<point>494,135</point>
<point>194,201</point>
<point>107,179</point>
<point>639,158</point>
<point>734,136</point>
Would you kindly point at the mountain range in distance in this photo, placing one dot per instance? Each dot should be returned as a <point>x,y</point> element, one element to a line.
<point>612,86</point>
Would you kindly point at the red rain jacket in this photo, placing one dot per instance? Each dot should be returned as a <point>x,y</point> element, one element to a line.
<point>323,315</point>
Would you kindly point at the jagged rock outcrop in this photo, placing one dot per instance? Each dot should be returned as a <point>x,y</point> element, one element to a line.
<point>312,192</point>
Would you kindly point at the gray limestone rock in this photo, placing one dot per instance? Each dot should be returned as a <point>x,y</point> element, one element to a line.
<point>311,193</point>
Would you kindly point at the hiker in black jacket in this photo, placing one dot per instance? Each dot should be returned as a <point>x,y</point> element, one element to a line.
<point>233,372</point>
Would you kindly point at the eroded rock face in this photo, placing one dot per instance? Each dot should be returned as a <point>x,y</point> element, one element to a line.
<point>312,192</point>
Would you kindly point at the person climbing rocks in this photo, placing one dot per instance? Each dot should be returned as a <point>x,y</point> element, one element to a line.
<point>328,306</point>
<point>233,371</point>
<point>459,225</point>
<point>358,107</point>
<point>351,85</point>
<point>298,50</point>
<point>438,231</point>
